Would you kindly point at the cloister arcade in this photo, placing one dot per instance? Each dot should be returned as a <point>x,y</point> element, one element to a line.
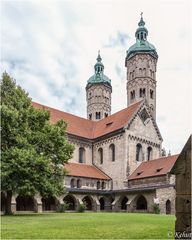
<point>118,203</point>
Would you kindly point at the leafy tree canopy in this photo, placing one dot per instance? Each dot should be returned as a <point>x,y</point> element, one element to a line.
<point>33,150</point>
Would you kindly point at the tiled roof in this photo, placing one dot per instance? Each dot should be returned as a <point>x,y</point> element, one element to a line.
<point>75,125</point>
<point>91,129</point>
<point>152,168</point>
<point>84,170</point>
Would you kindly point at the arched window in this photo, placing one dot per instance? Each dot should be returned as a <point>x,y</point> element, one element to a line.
<point>138,152</point>
<point>132,94</point>
<point>143,92</point>
<point>100,153</point>
<point>81,155</point>
<point>151,94</point>
<point>133,73</point>
<point>112,152</point>
<point>72,183</point>
<point>98,115</point>
<point>98,185</point>
<point>140,71</point>
<point>103,185</point>
<point>106,114</point>
<point>90,116</point>
<point>144,71</point>
<point>79,183</point>
<point>149,153</point>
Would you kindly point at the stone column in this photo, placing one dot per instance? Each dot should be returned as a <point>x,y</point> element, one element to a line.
<point>13,204</point>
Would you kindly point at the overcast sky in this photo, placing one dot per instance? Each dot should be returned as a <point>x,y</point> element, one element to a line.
<point>50,48</point>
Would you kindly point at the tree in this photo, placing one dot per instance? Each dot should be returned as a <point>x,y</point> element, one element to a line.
<point>33,150</point>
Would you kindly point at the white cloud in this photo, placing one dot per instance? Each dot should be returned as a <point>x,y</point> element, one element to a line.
<point>50,48</point>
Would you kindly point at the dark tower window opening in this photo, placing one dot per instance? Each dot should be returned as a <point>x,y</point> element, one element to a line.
<point>141,36</point>
<point>132,94</point>
<point>151,94</point>
<point>90,116</point>
<point>112,152</point>
<point>106,114</point>
<point>138,152</point>
<point>100,152</point>
<point>98,115</point>
<point>149,153</point>
<point>142,92</point>
<point>81,155</point>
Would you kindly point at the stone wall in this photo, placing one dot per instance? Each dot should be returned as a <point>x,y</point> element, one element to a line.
<point>141,74</point>
<point>78,143</point>
<point>163,195</point>
<point>98,100</point>
<point>87,183</point>
<point>147,136</point>
<point>115,169</point>
<point>182,170</point>
<point>146,182</point>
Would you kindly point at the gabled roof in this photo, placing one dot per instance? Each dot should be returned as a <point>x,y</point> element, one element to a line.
<point>153,168</point>
<point>92,129</point>
<point>84,170</point>
<point>180,164</point>
<point>75,125</point>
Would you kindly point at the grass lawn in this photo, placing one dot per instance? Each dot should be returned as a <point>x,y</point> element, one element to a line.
<point>87,226</point>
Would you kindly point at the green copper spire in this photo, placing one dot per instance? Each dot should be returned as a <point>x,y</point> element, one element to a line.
<point>99,67</point>
<point>99,76</point>
<point>141,45</point>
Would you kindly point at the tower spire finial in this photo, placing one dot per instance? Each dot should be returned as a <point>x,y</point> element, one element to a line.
<point>99,57</point>
<point>141,22</point>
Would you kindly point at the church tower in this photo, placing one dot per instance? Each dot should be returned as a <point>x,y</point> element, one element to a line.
<point>98,93</point>
<point>141,62</point>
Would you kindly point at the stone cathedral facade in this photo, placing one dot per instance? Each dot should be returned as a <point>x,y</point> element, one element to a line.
<point>117,164</point>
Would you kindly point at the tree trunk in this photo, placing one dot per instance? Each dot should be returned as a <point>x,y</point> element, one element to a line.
<point>8,203</point>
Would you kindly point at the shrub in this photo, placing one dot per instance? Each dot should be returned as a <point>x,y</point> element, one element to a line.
<point>81,208</point>
<point>156,208</point>
<point>63,207</point>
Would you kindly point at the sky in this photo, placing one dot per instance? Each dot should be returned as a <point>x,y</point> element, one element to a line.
<point>50,48</point>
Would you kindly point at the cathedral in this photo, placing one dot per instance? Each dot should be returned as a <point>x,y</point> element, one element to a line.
<point>117,163</point>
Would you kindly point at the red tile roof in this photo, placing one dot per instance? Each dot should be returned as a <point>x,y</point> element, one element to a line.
<point>84,170</point>
<point>91,129</point>
<point>153,168</point>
